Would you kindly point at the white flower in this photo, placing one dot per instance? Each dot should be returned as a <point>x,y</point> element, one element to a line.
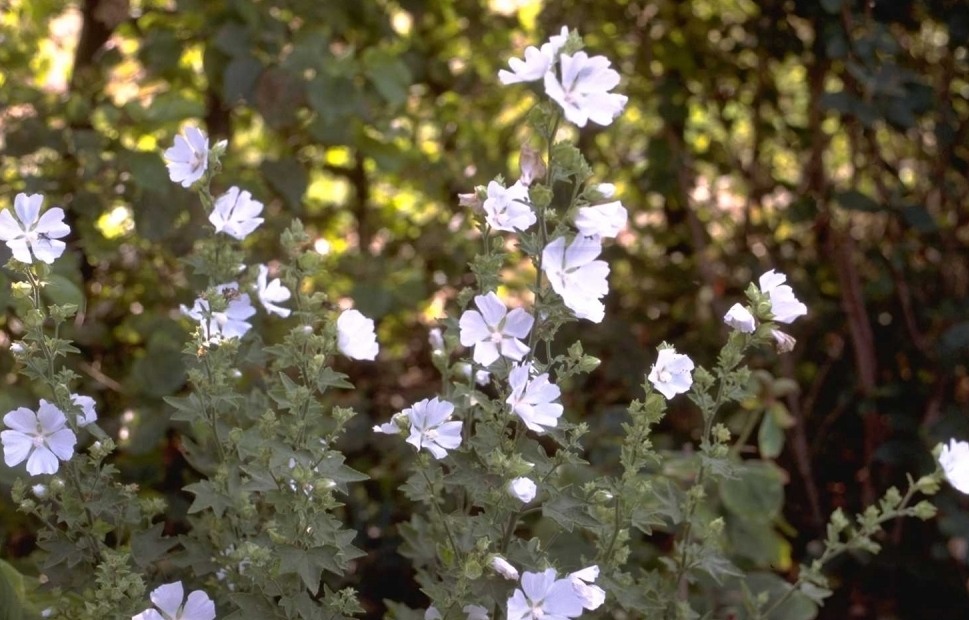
<point>784,342</point>
<point>430,428</point>
<point>606,190</point>
<point>523,488</point>
<point>543,597</point>
<point>39,491</point>
<point>671,373</point>
<point>235,213</point>
<point>355,336</point>
<point>41,438</point>
<point>398,421</point>
<point>504,568</point>
<point>783,304</point>
<point>272,293</point>
<point>534,67</point>
<point>169,600</point>
<point>88,415</point>
<point>954,460</point>
<point>740,319</point>
<point>583,90</point>
<point>537,61</point>
<point>481,377</point>
<point>189,158</point>
<point>436,340</point>
<point>35,233</point>
<point>605,220</point>
<point>577,276</point>
<point>531,399</point>
<point>592,596</point>
<point>229,323</point>
<point>476,612</point>
<point>432,613</point>
<point>507,208</point>
<point>492,333</point>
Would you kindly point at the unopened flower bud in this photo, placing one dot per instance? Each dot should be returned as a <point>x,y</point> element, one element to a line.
<point>838,520</point>
<point>56,484</point>
<point>606,190</point>
<point>531,165</point>
<point>27,505</point>
<point>17,347</point>
<point>39,491</point>
<point>924,510</point>
<point>928,485</point>
<point>470,200</point>
<point>716,526</point>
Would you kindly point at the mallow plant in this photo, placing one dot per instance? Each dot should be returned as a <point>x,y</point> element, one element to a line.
<point>508,518</point>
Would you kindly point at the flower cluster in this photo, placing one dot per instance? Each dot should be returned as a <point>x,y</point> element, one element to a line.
<point>580,86</point>
<point>236,214</point>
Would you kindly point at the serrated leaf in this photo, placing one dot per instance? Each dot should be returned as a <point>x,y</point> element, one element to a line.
<point>309,564</point>
<point>149,545</point>
<point>568,512</point>
<point>206,496</point>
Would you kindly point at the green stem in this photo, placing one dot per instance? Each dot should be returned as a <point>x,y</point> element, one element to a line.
<point>749,425</point>
<point>440,513</point>
<point>830,553</point>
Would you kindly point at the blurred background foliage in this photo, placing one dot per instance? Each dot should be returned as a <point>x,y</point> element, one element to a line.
<point>826,138</point>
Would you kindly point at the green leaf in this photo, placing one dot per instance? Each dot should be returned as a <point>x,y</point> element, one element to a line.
<point>289,179</point>
<point>389,75</point>
<point>11,593</point>
<point>856,201</point>
<point>770,437</point>
<point>239,79</point>
<point>309,564</point>
<point>207,496</point>
<point>149,545</point>
<point>757,493</point>
<point>62,291</point>
<point>568,512</point>
<point>796,607</point>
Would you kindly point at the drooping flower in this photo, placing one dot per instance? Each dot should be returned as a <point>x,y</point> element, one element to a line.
<point>592,596</point>
<point>784,342</point>
<point>543,597</point>
<point>577,276</point>
<point>33,232</point>
<point>88,415</point>
<point>236,213</point>
<point>356,337</point>
<point>740,319</point>
<point>396,424</point>
<point>493,331</point>
<point>272,293</point>
<point>189,158</point>
<point>537,61</point>
<point>523,489</point>
<point>954,460</point>
<point>531,399</point>
<point>475,612</point>
<point>605,220</point>
<point>671,374</point>
<point>583,91</point>
<point>40,438</point>
<point>431,428</point>
<point>229,323</point>
<point>784,305</point>
<point>172,605</point>
<point>504,568</point>
<point>507,208</point>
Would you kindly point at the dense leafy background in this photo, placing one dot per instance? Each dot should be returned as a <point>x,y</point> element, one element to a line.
<point>828,139</point>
